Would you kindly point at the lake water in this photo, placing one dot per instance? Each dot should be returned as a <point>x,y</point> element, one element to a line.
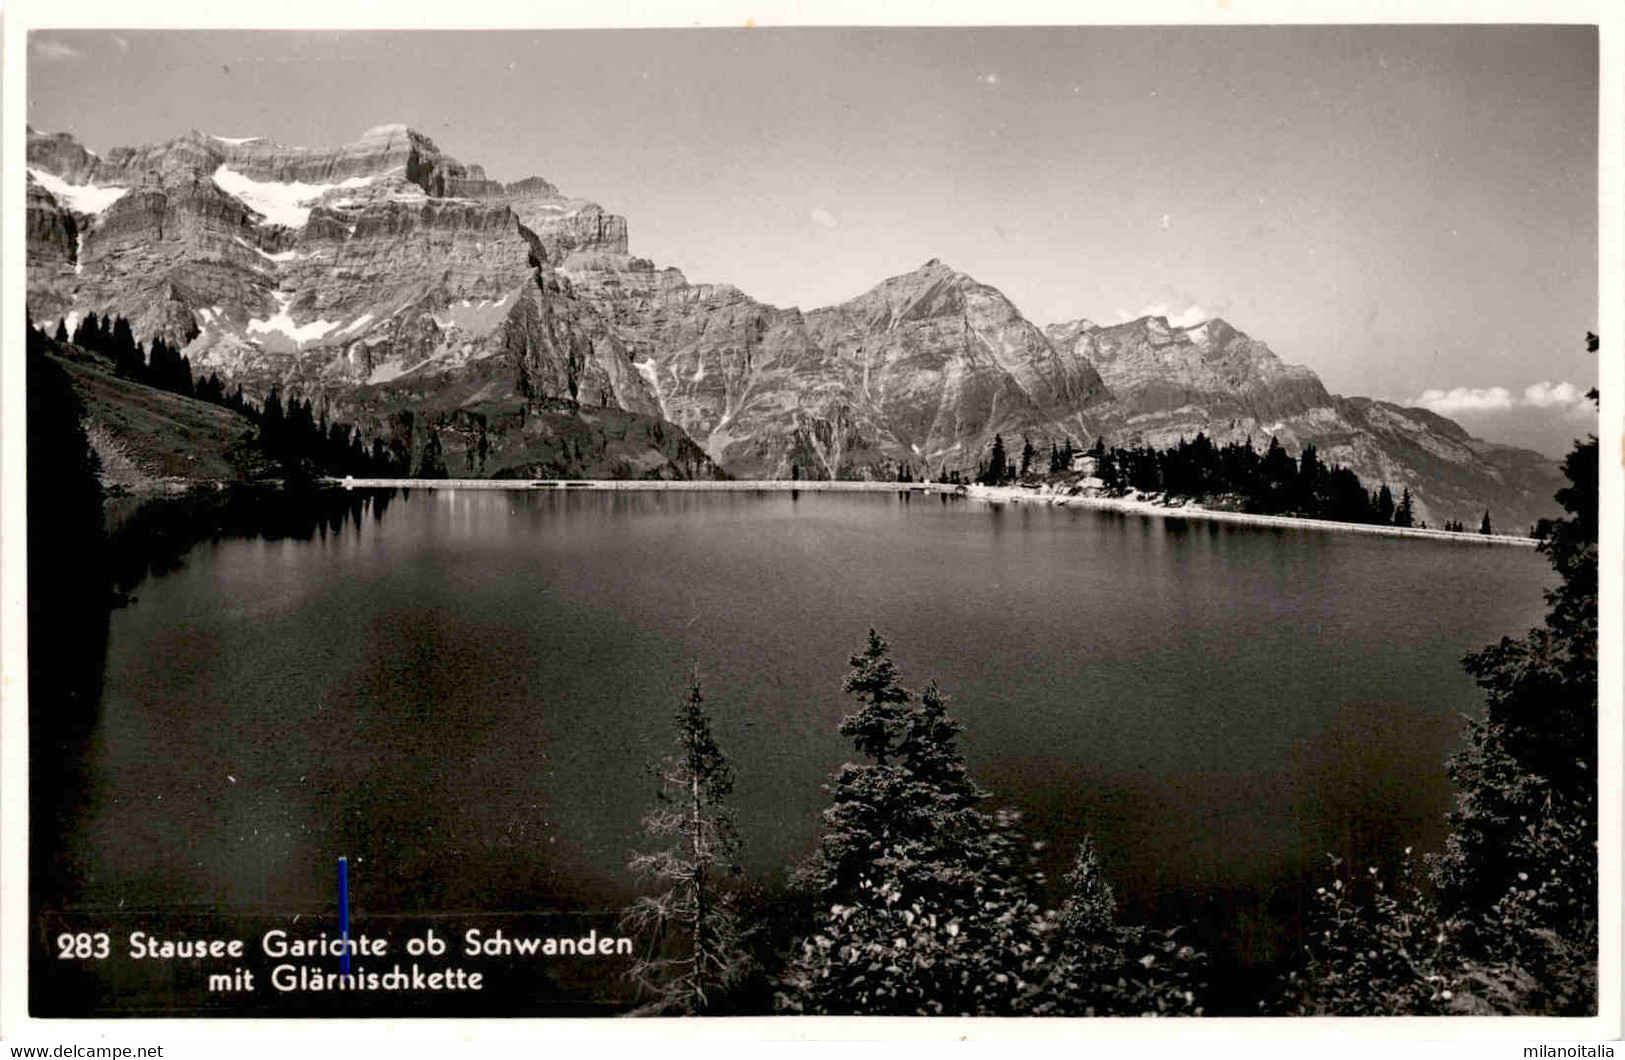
<point>460,692</point>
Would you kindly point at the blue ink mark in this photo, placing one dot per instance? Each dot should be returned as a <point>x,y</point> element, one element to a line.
<point>344,913</point>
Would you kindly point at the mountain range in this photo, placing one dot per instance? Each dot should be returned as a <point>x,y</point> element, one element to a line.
<point>385,277</point>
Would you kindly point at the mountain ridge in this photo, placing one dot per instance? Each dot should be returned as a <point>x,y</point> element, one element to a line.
<point>388,267</point>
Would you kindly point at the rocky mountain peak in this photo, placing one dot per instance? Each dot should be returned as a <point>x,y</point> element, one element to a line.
<point>386,273</point>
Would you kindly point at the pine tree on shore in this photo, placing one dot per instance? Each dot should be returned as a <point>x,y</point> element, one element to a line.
<point>995,470</point>
<point>926,906</point>
<point>697,950</point>
<point>1383,506</point>
<point>1404,515</point>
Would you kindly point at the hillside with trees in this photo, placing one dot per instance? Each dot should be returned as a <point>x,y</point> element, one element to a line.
<point>1230,477</point>
<point>152,423</point>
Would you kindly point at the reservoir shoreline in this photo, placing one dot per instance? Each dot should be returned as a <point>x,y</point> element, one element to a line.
<point>990,494</point>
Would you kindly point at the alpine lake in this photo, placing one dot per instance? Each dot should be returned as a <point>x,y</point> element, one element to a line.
<point>460,692</point>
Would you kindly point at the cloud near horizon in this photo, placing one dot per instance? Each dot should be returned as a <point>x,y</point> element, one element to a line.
<point>1188,317</point>
<point>1562,397</point>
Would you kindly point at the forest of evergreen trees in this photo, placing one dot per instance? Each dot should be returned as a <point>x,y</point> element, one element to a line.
<point>917,901</point>
<point>291,431</point>
<point>1268,483</point>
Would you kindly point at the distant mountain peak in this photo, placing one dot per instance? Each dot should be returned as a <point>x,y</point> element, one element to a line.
<point>339,269</point>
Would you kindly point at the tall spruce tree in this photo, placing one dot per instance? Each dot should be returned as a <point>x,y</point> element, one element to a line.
<point>1099,968</point>
<point>1383,507</point>
<point>1405,513</point>
<point>996,464</point>
<point>697,953</point>
<point>925,902</point>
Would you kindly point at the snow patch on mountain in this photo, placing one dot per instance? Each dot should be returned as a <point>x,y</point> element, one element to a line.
<point>359,322</point>
<point>282,324</point>
<point>383,373</point>
<point>647,370</point>
<point>235,139</point>
<point>80,198</point>
<point>392,369</point>
<point>476,317</point>
<point>279,203</point>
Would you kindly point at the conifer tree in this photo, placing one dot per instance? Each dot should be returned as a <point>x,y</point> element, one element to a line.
<point>1107,470</point>
<point>995,472</point>
<point>925,906</point>
<point>271,421</point>
<point>697,946</point>
<point>1104,969</point>
<point>1090,910</point>
<point>1383,507</point>
<point>1484,527</point>
<point>432,462</point>
<point>84,331</point>
<point>1405,514</point>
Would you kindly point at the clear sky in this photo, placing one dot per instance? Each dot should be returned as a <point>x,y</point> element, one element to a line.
<point>1411,211</point>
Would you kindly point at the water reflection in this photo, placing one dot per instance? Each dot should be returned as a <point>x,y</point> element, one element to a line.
<point>461,696</point>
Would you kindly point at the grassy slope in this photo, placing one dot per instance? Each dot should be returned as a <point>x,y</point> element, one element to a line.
<point>151,439</point>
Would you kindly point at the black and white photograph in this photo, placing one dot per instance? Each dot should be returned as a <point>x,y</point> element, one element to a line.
<point>776,518</point>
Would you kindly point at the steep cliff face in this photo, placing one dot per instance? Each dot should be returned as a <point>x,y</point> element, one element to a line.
<point>52,234</point>
<point>922,371</point>
<point>744,379</point>
<point>385,277</point>
<point>325,272</point>
<point>295,266</point>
